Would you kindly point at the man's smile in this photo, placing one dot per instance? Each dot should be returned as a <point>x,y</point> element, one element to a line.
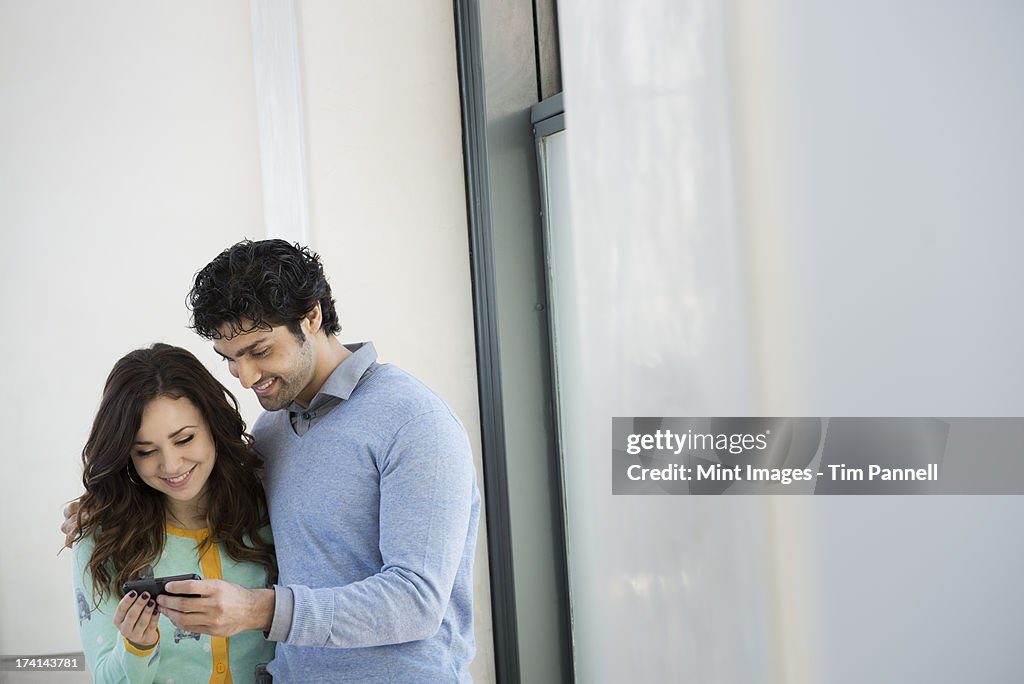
<point>265,387</point>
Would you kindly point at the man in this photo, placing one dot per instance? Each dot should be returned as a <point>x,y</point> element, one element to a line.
<point>369,479</point>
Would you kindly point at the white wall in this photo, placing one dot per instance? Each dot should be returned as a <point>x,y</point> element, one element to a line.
<point>130,156</point>
<point>793,208</point>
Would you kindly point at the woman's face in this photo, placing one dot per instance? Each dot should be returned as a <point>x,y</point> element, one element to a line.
<point>173,451</point>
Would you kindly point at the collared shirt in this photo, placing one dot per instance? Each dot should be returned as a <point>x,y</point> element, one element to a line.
<point>338,387</point>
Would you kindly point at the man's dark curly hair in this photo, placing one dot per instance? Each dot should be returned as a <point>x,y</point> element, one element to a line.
<point>256,285</point>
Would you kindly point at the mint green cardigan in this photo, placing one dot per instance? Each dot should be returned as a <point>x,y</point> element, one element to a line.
<point>179,656</point>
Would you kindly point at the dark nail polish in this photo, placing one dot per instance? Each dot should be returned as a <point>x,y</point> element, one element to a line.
<point>145,595</point>
<point>131,593</point>
<point>150,604</point>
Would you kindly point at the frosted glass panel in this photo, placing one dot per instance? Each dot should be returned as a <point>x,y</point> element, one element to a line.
<point>563,295</point>
<point>789,207</point>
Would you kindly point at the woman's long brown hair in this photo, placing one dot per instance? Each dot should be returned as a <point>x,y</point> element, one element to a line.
<point>125,519</point>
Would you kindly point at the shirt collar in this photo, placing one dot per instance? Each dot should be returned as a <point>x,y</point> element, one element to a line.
<point>343,380</point>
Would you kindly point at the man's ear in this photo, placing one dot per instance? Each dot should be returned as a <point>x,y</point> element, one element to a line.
<point>313,320</point>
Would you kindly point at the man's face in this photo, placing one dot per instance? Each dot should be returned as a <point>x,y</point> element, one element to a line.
<point>274,364</point>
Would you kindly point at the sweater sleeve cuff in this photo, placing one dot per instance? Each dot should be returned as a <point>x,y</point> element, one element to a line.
<point>284,609</point>
<point>141,652</point>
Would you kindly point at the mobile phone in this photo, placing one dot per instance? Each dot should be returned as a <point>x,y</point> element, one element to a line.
<point>155,585</point>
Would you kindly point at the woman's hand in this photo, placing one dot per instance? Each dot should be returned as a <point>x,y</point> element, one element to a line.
<point>136,618</point>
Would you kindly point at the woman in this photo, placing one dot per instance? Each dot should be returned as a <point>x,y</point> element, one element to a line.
<point>171,487</point>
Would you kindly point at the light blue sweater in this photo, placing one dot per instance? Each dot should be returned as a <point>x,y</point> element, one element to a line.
<point>375,513</point>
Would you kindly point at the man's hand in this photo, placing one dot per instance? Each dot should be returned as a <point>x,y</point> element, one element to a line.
<point>70,525</point>
<point>223,609</point>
